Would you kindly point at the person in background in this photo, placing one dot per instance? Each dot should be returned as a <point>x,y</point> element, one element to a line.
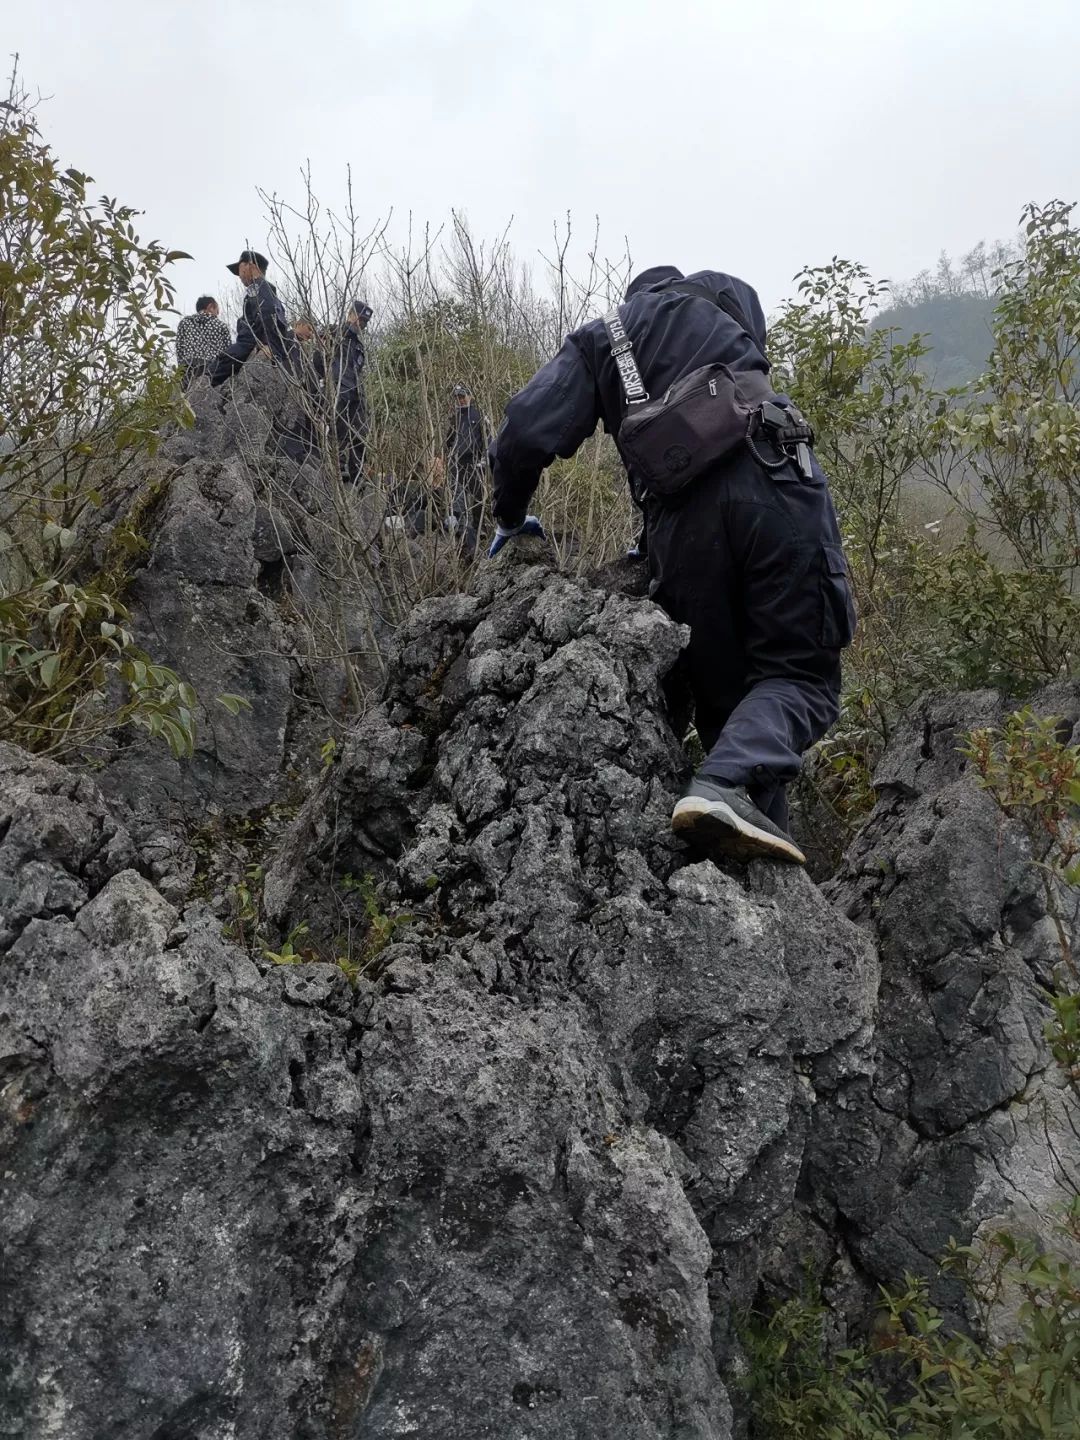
<point>200,338</point>
<point>466,455</point>
<point>345,384</point>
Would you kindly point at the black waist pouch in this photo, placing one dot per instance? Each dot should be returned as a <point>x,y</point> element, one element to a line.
<point>668,443</point>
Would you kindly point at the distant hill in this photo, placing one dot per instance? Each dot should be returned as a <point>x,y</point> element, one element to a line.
<point>958,329</point>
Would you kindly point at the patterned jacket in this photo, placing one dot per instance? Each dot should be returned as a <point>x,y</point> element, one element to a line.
<point>200,337</point>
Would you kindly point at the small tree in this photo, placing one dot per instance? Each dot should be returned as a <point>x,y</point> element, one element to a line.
<point>86,385</point>
<point>85,375</point>
<point>1010,460</point>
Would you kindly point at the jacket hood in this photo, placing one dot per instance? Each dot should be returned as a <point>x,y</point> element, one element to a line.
<point>656,276</point>
<point>744,295</point>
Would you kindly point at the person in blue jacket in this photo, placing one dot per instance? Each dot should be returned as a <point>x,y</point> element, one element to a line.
<point>264,325</point>
<point>749,556</point>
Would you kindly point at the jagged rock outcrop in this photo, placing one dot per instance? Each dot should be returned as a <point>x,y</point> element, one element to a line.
<point>181,1141</point>
<point>509,1186</point>
<point>227,593</point>
<point>963,1121</point>
<point>589,1096</point>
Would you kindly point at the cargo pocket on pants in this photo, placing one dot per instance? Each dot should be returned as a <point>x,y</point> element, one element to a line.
<point>837,605</point>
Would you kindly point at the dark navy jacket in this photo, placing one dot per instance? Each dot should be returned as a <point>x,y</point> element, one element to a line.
<point>672,334</point>
<point>347,369</point>
<point>263,323</point>
<point>466,439</point>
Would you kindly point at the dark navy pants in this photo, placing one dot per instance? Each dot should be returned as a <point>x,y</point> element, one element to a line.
<point>751,561</point>
<point>351,429</point>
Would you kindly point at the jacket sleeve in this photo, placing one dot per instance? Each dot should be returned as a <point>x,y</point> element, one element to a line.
<point>555,413</point>
<point>181,339</point>
<point>231,358</point>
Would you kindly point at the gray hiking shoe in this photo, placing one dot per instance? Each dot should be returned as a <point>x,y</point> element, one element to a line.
<point>725,817</point>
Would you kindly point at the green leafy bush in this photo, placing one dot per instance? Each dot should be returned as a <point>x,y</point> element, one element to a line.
<point>87,386</point>
<point>922,1381</point>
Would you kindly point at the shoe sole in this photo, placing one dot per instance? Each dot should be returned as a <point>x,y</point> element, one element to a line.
<point>715,823</point>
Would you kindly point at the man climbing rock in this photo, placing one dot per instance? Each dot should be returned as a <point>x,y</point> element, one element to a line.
<point>264,327</point>
<point>742,537</point>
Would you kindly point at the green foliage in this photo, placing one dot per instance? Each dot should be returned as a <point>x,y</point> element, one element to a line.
<point>246,899</point>
<point>1034,777</point>
<point>992,624</point>
<point>61,648</point>
<point>87,386</point>
<point>1009,458</point>
<point>983,590</point>
<point>289,954</point>
<point>797,1388</point>
<point>381,927</point>
<point>84,369</point>
<point>922,1381</point>
<point>355,954</point>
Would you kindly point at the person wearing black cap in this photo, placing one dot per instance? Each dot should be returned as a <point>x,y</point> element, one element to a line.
<point>345,384</point>
<point>466,453</point>
<point>265,325</point>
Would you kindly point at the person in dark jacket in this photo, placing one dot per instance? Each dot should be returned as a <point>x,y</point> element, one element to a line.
<point>748,556</point>
<point>200,338</point>
<point>345,384</point>
<point>265,327</point>
<point>466,454</point>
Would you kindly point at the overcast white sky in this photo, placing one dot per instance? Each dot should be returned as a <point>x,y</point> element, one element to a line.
<point>752,136</point>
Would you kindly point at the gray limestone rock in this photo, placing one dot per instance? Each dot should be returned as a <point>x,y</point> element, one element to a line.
<point>962,1119</point>
<point>514,1182</point>
<point>226,594</point>
<point>586,1094</point>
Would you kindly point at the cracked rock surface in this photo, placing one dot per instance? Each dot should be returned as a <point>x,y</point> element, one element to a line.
<point>588,1093</point>
<point>586,1037</point>
<point>225,594</point>
<point>179,1145</point>
<point>961,1121</point>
